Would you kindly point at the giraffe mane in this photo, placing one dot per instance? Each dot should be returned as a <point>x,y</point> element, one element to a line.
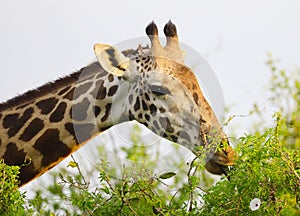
<point>31,95</point>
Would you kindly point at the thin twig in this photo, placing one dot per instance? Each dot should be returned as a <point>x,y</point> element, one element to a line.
<point>79,170</point>
<point>189,182</point>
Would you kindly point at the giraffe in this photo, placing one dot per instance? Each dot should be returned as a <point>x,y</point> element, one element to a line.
<point>150,85</point>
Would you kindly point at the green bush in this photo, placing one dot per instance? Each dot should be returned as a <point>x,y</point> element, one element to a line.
<point>11,200</point>
<point>266,169</point>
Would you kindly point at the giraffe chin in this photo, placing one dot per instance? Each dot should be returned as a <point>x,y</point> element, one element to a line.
<point>220,160</point>
<point>217,169</point>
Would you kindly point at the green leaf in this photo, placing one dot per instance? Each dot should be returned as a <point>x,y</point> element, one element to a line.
<point>167,175</point>
<point>72,164</point>
<point>61,176</point>
<point>105,190</point>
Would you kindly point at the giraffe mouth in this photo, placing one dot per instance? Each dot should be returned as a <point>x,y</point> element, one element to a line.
<point>220,162</point>
<point>224,169</point>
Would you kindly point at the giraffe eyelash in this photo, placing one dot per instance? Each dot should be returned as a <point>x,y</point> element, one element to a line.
<point>159,90</point>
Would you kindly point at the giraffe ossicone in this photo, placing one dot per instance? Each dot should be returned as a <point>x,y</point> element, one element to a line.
<point>150,85</point>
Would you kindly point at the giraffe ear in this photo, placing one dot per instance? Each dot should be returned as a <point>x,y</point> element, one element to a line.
<point>111,59</point>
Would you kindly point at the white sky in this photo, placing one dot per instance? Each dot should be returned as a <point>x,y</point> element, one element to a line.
<point>43,40</point>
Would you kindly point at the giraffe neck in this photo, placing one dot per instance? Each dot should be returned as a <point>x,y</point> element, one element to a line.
<point>51,122</point>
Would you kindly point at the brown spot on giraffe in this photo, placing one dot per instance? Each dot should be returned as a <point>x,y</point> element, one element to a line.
<point>107,112</point>
<point>137,104</point>
<point>195,95</point>
<point>14,123</point>
<point>50,142</point>
<point>185,135</point>
<point>28,172</point>
<point>35,126</point>
<point>70,94</point>
<point>12,152</point>
<point>166,124</point>
<point>112,90</point>
<point>59,113</point>
<point>110,78</point>
<point>97,110</point>
<point>81,132</point>
<point>10,119</point>
<point>99,92</point>
<point>144,104</point>
<point>153,109</point>
<point>47,105</point>
<point>79,111</point>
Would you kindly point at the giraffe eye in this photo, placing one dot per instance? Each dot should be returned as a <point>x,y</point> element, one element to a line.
<point>159,90</point>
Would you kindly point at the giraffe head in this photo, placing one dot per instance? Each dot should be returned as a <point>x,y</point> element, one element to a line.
<point>163,94</point>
